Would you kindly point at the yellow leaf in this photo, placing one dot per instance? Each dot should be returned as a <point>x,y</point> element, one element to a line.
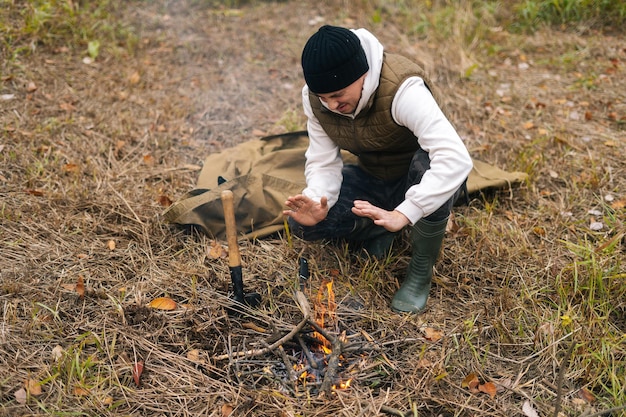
<point>163,303</point>
<point>81,392</point>
<point>441,376</point>
<point>470,381</point>
<point>566,320</point>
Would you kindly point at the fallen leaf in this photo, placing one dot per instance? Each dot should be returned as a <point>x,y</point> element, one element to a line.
<point>148,160</point>
<point>194,355</point>
<point>488,388</point>
<point>32,387</point>
<point>57,352</point>
<point>227,410</point>
<point>596,226</point>
<point>31,87</point>
<point>134,78</point>
<point>504,384</point>
<point>528,410</point>
<point>441,376</point>
<point>586,395</point>
<point>619,204</point>
<point>118,147</point>
<point>68,107</point>
<point>452,226</point>
<point>528,125</point>
<point>111,244</point>
<point>71,168</point>
<point>80,286</point>
<point>107,400</point>
<point>433,335</point>
<point>546,329</point>
<point>163,303</point>
<point>424,363</point>
<point>216,250</point>
<point>470,381</point>
<point>165,201</point>
<point>20,396</point>
<point>81,392</point>
<point>36,193</point>
<point>253,326</point>
<point>137,371</point>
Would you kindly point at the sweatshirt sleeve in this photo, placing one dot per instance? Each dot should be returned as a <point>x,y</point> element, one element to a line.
<point>323,165</point>
<point>450,163</point>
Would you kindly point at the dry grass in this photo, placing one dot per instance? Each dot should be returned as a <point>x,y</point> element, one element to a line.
<point>524,286</point>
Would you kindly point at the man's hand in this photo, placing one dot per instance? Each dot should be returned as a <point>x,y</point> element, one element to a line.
<point>390,220</point>
<point>306,211</point>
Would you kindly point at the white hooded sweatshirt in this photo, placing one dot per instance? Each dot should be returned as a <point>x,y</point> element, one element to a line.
<point>413,107</point>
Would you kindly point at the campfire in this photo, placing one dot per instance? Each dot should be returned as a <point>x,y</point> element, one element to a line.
<point>313,353</point>
<point>323,355</point>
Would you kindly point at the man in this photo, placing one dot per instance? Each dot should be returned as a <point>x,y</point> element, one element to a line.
<point>411,166</point>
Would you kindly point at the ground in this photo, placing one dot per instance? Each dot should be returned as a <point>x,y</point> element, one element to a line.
<point>528,296</point>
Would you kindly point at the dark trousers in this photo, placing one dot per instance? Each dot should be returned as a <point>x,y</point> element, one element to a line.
<point>357,184</point>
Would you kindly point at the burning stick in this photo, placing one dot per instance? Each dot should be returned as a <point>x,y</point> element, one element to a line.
<point>332,369</point>
<point>307,352</point>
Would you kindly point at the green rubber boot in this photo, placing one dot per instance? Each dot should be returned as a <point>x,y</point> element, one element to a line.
<point>426,240</point>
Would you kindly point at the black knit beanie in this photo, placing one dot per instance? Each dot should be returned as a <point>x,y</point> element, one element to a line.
<point>332,59</point>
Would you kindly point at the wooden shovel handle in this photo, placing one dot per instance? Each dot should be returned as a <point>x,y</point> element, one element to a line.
<point>234,258</point>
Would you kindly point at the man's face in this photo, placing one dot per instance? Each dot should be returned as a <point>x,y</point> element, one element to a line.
<point>346,100</point>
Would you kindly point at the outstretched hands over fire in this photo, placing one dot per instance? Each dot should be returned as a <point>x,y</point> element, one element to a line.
<point>390,220</point>
<point>306,211</point>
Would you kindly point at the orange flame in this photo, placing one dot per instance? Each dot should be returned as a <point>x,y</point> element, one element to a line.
<point>343,385</point>
<point>325,311</point>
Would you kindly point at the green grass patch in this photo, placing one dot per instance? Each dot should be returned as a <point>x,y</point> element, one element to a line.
<point>90,26</point>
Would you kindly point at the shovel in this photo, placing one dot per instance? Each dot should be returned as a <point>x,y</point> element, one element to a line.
<point>252,299</point>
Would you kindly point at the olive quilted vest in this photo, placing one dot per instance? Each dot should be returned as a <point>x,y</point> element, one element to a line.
<point>383,148</point>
